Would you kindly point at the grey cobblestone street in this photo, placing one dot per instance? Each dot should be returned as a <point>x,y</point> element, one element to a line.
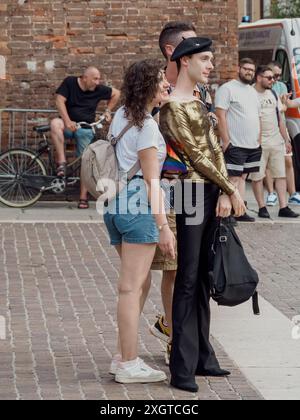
<point>58,296</point>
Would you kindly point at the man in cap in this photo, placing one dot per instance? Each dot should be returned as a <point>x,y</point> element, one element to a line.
<point>186,126</point>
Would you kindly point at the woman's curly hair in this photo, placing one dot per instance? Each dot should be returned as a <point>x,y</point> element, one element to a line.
<point>139,88</point>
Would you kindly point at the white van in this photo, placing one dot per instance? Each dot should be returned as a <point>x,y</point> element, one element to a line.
<point>278,39</point>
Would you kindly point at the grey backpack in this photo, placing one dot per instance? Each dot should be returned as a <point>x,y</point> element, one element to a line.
<point>100,170</point>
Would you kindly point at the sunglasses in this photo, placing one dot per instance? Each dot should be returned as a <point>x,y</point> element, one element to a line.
<point>269,77</point>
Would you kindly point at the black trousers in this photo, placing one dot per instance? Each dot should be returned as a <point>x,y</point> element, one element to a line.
<point>191,349</point>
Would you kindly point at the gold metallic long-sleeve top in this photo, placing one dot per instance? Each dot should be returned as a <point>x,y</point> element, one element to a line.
<point>186,127</point>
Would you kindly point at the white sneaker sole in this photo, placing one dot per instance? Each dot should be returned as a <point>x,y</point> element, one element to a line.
<point>141,380</point>
<point>158,334</point>
<point>272,204</point>
<point>293,204</point>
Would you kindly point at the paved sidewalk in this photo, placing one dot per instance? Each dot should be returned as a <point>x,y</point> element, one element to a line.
<point>58,297</point>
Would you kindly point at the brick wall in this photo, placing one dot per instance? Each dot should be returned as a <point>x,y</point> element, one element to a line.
<point>44,41</point>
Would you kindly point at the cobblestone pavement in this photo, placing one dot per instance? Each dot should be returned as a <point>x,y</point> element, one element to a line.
<point>274,250</point>
<point>58,297</point>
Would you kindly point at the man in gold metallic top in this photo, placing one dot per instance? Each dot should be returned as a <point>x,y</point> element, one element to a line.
<point>187,129</point>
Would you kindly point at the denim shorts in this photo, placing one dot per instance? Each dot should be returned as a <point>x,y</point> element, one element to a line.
<point>83,137</point>
<point>128,217</point>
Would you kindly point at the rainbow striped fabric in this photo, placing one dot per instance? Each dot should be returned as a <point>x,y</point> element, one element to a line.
<point>173,162</point>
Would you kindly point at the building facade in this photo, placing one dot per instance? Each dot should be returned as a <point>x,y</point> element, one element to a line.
<point>43,42</point>
<point>255,9</point>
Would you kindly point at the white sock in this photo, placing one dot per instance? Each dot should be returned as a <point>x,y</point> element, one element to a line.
<point>129,364</point>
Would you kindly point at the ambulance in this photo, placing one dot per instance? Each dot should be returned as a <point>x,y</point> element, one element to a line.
<point>278,39</point>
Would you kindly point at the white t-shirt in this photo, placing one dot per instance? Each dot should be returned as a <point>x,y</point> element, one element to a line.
<point>271,135</point>
<point>243,113</point>
<point>135,140</point>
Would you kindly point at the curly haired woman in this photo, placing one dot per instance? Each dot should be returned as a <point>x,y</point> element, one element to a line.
<point>135,219</point>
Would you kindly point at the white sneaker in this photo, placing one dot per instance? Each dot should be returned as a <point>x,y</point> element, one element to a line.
<point>114,364</point>
<point>295,199</point>
<point>139,372</point>
<point>272,199</point>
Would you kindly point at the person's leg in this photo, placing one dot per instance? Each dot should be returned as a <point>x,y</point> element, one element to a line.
<point>186,328</point>
<point>281,187</point>
<point>258,190</point>
<point>145,291</point>
<point>58,140</point>
<point>290,175</point>
<point>135,265</point>
<point>83,138</point>
<point>242,185</point>
<point>208,364</point>
<point>167,288</point>
<point>269,182</point>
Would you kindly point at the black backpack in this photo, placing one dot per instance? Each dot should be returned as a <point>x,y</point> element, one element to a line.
<point>232,279</point>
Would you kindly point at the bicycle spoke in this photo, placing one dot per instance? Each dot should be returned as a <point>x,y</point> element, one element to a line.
<point>15,191</point>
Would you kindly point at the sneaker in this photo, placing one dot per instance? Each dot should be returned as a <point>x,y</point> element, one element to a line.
<point>295,199</point>
<point>287,212</point>
<point>245,218</point>
<point>263,213</point>
<point>159,330</point>
<point>272,199</point>
<point>168,354</point>
<point>114,364</point>
<point>138,372</point>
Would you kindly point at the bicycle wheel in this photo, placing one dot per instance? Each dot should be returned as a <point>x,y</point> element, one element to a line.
<point>13,190</point>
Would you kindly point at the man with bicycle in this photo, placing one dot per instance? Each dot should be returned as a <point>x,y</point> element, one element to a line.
<point>77,100</point>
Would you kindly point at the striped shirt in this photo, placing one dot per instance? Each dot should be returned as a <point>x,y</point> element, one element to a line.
<point>243,112</point>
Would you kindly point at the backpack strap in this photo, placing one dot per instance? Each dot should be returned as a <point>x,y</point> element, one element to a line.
<point>114,140</point>
<point>277,109</point>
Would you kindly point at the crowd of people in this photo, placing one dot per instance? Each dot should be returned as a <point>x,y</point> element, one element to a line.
<point>170,122</point>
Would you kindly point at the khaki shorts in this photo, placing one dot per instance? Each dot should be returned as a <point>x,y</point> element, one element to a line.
<point>273,158</point>
<point>160,262</point>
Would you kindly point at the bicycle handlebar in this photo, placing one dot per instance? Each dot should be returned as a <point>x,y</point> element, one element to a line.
<point>96,124</point>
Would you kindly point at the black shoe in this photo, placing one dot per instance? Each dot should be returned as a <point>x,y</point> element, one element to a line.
<point>213,372</point>
<point>245,218</point>
<point>232,221</point>
<point>185,386</point>
<point>287,212</point>
<point>263,213</point>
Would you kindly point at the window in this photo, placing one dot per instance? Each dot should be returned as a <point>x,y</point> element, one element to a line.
<point>297,61</point>
<point>266,8</point>
<point>282,57</point>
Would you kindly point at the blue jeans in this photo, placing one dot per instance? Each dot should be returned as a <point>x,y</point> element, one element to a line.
<point>83,137</point>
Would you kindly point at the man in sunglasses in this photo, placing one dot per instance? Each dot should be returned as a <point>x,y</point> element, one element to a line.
<point>281,91</point>
<point>238,111</point>
<point>275,143</point>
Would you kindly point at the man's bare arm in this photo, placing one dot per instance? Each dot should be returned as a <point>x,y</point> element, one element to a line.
<point>223,128</point>
<point>62,109</point>
<point>115,96</point>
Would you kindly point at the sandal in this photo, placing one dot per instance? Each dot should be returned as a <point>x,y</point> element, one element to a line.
<point>61,169</point>
<point>83,204</point>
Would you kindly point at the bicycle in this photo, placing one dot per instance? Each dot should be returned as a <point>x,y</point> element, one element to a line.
<point>24,175</point>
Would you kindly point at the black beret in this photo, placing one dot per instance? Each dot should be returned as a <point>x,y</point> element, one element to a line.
<point>191,46</point>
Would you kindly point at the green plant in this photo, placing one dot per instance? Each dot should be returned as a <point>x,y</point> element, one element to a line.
<point>285,9</point>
